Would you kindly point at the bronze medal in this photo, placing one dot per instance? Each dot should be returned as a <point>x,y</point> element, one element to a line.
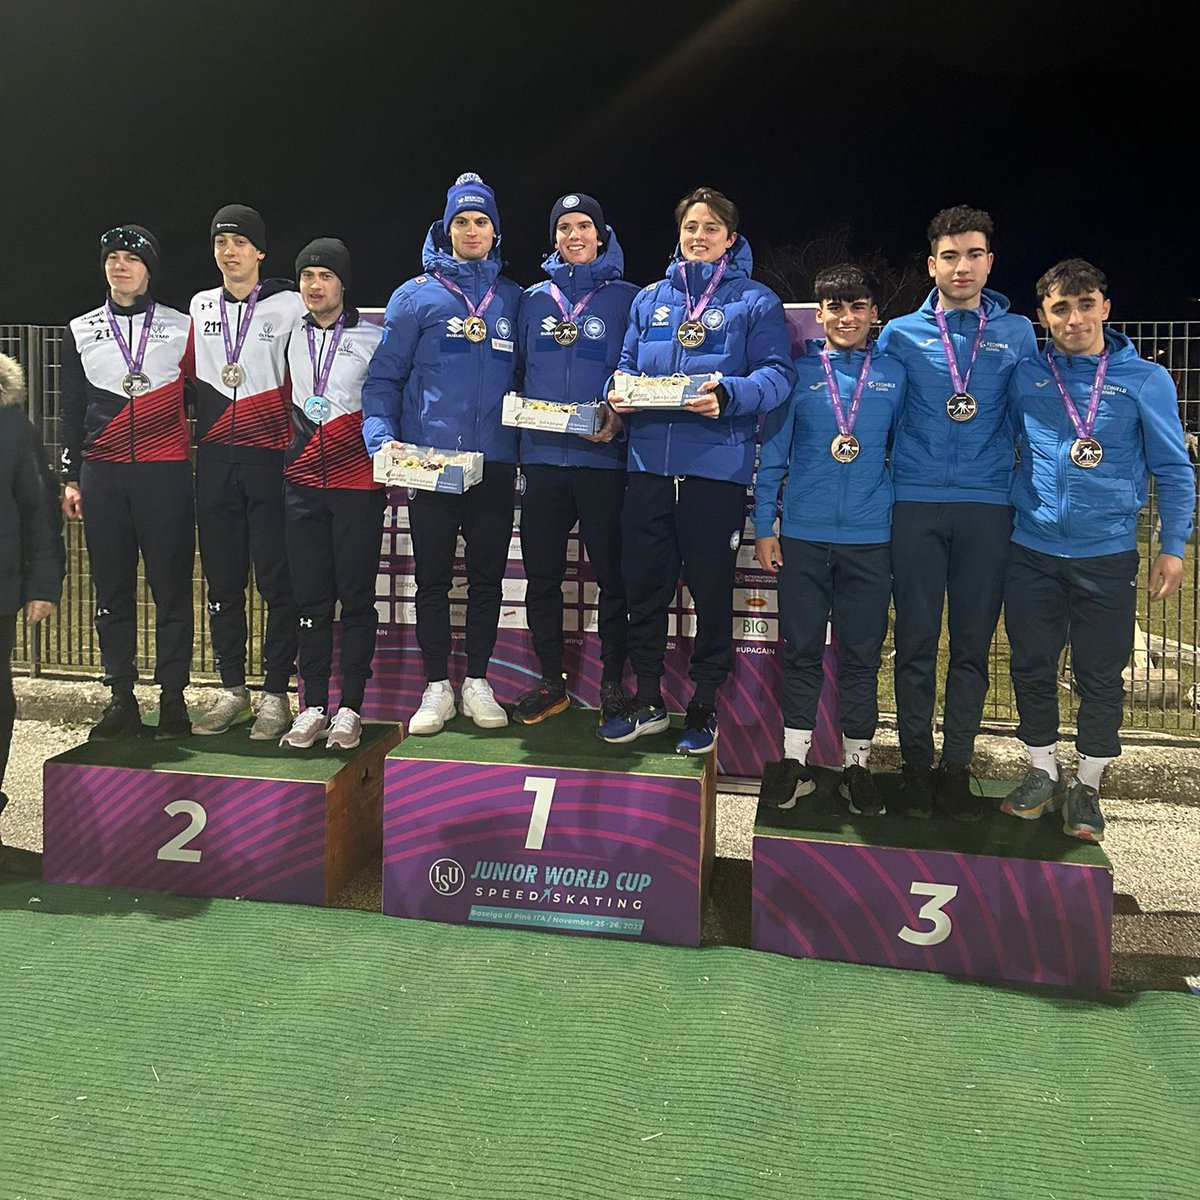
<point>1086,452</point>
<point>566,333</point>
<point>136,383</point>
<point>961,407</point>
<point>844,448</point>
<point>690,335</point>
<point>475,329</point>
<point>232,375</point>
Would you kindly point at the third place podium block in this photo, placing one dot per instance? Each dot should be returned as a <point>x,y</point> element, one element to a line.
<point>546,827</point>
<point>997,899</point>
<point>215,816</point>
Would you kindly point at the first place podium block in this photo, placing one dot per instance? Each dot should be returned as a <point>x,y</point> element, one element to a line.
<point>214,816</point>
<point>998,899</point>
<point>546,827</point>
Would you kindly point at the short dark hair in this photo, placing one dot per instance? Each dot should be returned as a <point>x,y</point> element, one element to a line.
<point>1072,277</point>
<point>718,203</point>
<point>846,282</point>
<point>950,222</point>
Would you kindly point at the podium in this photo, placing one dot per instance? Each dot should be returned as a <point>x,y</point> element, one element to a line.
<point>999,899</point>
<point>546,827</point>
<point>215,816</point>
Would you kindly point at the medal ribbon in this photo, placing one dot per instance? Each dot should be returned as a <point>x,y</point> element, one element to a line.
<point>132,364</point>
<point>451,286</point>
<point>1083,428</point>
<point>561,301</point>
<point>692,312</point>
<point>845,424</point>
<point>233,352</point>
<point>321,381</point>
<point>958,381</point>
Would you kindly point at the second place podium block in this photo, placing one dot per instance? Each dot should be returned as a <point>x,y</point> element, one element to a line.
<point>214,816</point>
<point>547,827</point>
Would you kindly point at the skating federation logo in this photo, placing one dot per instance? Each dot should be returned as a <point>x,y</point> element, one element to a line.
<point>713,318</point>
<point>593,328</point>
<point>571,201</point>
<point>503,327</point>
<point>447,877</point>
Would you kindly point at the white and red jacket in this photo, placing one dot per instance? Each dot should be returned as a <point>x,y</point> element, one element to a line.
<point>248,423</point>
<point>331,454</point>
<point>98,420</point>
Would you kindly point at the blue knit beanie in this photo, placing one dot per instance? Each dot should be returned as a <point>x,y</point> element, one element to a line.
<point>470,194</point>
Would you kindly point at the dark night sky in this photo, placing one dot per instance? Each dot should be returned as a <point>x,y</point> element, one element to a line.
<point>351,119</point>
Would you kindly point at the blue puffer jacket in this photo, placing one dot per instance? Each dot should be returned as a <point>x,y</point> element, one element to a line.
<point>825,500</point>
<point>427,383</point>
<point>1076,512</point>
<point>934,458</point>
<point>746,340</point>
<point>579,373</point>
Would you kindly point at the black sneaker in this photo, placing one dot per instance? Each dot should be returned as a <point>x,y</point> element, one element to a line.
<point>859,787</point>
<point>1082,817</point>
<point>699,729</point>
<point>953,786</point>
<point>173,719</point>
<point>784,782</point>
<point>548,697</point>
<point>916,791</point>
<point>121,718</point>
<point>612,699</point>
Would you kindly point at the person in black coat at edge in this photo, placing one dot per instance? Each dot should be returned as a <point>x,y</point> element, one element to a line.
<point>31,548</point>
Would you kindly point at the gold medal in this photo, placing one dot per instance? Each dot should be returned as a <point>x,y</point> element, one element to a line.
<point>566,333</point>
<point>690,335</point>
<point>1086,452</point>
<point>475,329</point>
<point>961,407</point>
<point>232,375</point>
<point>844,447</point>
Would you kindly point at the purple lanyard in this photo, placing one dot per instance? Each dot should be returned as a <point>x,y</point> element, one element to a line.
<point>234,352</point>
<point>692,312</point>
<point>132,364</point>
<point>561,301</point>
<point>1083,428</point>
<point>845,424</point>
<point>321,381</point>
<point>959,382</point>
<point>453,287</point>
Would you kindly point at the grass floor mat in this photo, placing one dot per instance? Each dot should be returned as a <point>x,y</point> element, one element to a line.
<point>176,1048</point>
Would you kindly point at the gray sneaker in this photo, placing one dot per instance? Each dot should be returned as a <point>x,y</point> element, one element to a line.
<point>345,730</point>
<point>1037,793</point>
<point>274,718</point>
<point>231,708</point>
<point>308,727</point>
<point>1082,817</point>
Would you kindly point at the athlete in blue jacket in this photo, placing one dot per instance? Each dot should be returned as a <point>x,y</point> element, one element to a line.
<point>569,331</point>
<point>833,554</point>
<point>1094,421</point>
<point>952,465</point>
<point>685,504</point>
<point>438,379</point>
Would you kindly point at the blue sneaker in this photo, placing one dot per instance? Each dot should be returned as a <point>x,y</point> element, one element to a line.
<point>636,718</point>
<point>699,729</point>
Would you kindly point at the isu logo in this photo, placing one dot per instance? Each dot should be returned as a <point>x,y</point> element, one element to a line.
<point>447,877</point>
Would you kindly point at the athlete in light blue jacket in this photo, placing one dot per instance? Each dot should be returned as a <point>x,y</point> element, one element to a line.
<point>952,466</point>
<point>1094,422</point>
<point>685,505</point>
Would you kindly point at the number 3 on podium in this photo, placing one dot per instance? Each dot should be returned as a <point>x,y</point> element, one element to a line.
<point>934,910</point>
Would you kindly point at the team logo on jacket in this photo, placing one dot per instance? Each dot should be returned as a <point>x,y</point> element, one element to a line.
<point>267,333</point>
<point>881,385</point>
<point>593,328</point>
<point>571,201</point>
<point>454,327</point>
<point>662,315</point>
<point>549,325</point>
<point>713,318</point>
<point>503,327</point>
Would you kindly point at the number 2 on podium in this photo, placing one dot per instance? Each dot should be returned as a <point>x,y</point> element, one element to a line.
<point>934,911</point>
<point>175,850</point>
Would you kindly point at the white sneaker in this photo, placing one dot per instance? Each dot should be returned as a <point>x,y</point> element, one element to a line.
<point>274,717</point>
<point>231,708</point>
<point>480,705</point>
<point>437,707</point>
<point>345,730</point>
<point>306,729</point>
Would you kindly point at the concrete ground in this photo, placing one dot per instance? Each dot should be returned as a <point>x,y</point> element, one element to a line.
<point>1152,805</point>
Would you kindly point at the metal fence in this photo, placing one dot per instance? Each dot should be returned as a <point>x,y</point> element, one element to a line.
<point>1164,677</point>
